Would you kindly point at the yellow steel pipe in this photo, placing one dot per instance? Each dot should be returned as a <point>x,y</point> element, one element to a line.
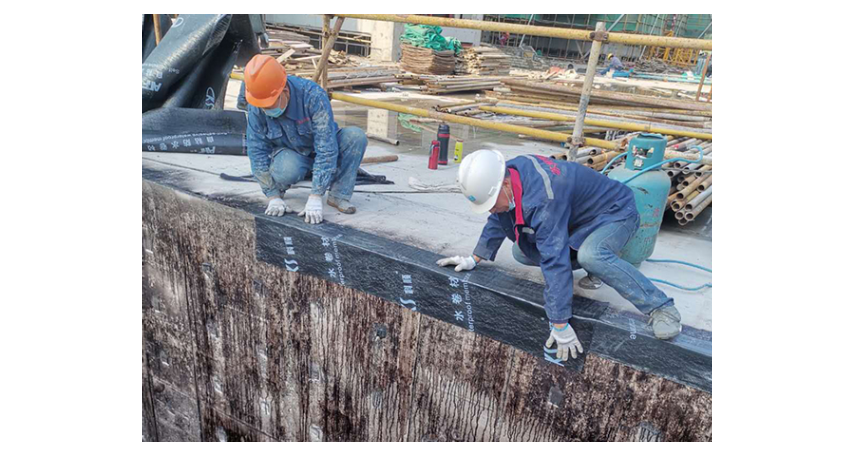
<point>451,118</point>
<point>535,30</point>
<point>629,126</point>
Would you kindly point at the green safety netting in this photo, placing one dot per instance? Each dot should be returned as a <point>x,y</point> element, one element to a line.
<point>405,122</point>
<point>429,36</point>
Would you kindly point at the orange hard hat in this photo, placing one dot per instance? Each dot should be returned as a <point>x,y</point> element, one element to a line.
<point>265,78</point>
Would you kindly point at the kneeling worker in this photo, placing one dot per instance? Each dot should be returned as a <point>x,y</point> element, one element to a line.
<point>290,133</point>
<point>559,215</point>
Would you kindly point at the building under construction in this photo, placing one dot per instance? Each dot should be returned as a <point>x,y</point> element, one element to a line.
<point>260,327</point>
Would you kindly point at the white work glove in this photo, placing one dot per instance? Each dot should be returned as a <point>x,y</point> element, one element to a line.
<point>567,341</point>
<point>277,207</point>
<point>463,263</point>
<point>314,210</point>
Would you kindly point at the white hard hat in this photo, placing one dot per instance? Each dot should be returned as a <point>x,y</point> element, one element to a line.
<point>480,178</point>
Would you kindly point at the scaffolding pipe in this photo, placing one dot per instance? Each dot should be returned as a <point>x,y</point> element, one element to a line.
<point>324,39</point>
<point>622,97</point>
<point>703,75</point>
<point>585,97</point>
<point>536,30</point>
<point>628,126</point>
<point>157,33</point>
<point>451,118</point>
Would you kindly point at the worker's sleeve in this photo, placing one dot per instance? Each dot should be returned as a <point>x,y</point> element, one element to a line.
<point>324,131</point>
<point>258,148</point>
<point>491,239</point>
<point>553,242</point>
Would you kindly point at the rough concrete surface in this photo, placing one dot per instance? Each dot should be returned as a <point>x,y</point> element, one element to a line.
<point>237,349</point>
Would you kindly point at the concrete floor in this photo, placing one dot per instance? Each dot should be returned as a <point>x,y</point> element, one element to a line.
<point>442,222</point>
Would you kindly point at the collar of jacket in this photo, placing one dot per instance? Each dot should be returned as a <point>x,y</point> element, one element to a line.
<point>517,190</point>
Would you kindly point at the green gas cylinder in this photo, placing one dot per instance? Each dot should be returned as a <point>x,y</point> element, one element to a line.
<point>651,193</point>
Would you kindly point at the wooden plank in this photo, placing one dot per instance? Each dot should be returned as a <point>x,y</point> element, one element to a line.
<point>282,58</point>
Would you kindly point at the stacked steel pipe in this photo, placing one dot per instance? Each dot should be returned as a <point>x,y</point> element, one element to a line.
<point>691,183</point>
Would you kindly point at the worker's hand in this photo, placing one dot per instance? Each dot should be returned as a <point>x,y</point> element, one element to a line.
<point>314,210</point>
<point>463,263</point>
<point>277,207</point>
<point>567,341</point>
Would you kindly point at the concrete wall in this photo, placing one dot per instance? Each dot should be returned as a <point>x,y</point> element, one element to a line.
<point>236,349</point>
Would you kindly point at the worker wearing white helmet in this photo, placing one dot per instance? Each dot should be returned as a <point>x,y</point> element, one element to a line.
<point>561,216</point>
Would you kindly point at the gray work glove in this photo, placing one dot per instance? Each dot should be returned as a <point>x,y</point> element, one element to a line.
<point>314,210</point>
<point>277,207</point>
<point>567,341</point>
<point>463,263</point>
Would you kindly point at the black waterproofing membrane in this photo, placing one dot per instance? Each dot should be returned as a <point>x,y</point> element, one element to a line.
<point>484,300</point>
<point>194,131</point>
<point>149,41</point>
<point>243,29</point>
<point>205,86</point>
<point>191,37</point>
<point>190,69</point>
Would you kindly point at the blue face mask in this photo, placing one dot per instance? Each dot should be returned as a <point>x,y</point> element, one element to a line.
<point>274,112</point>
<point>511,204</point>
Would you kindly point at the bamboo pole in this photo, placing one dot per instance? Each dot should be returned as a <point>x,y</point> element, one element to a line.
<point>532,132</point>
<point>554,32</point>
<point>325,55</point>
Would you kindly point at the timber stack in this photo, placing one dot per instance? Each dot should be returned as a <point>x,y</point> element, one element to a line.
<point>483,61</point>
<point>422,60</point>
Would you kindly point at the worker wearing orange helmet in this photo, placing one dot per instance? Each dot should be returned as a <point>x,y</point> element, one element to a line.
<point>291,133</point>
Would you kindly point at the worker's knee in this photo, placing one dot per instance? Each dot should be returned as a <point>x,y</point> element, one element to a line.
<point>288,168</point>
<point>521,257</point>
<point>594,258</point>
<point>352,140</point>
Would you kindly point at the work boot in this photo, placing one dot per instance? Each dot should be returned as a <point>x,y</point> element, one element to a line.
<point>590,282</point>
<point>343,206</point>
<point>665,322</point>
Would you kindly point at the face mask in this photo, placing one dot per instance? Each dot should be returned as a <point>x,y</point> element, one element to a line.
<point>511,204</point>
<point>274,112</point>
